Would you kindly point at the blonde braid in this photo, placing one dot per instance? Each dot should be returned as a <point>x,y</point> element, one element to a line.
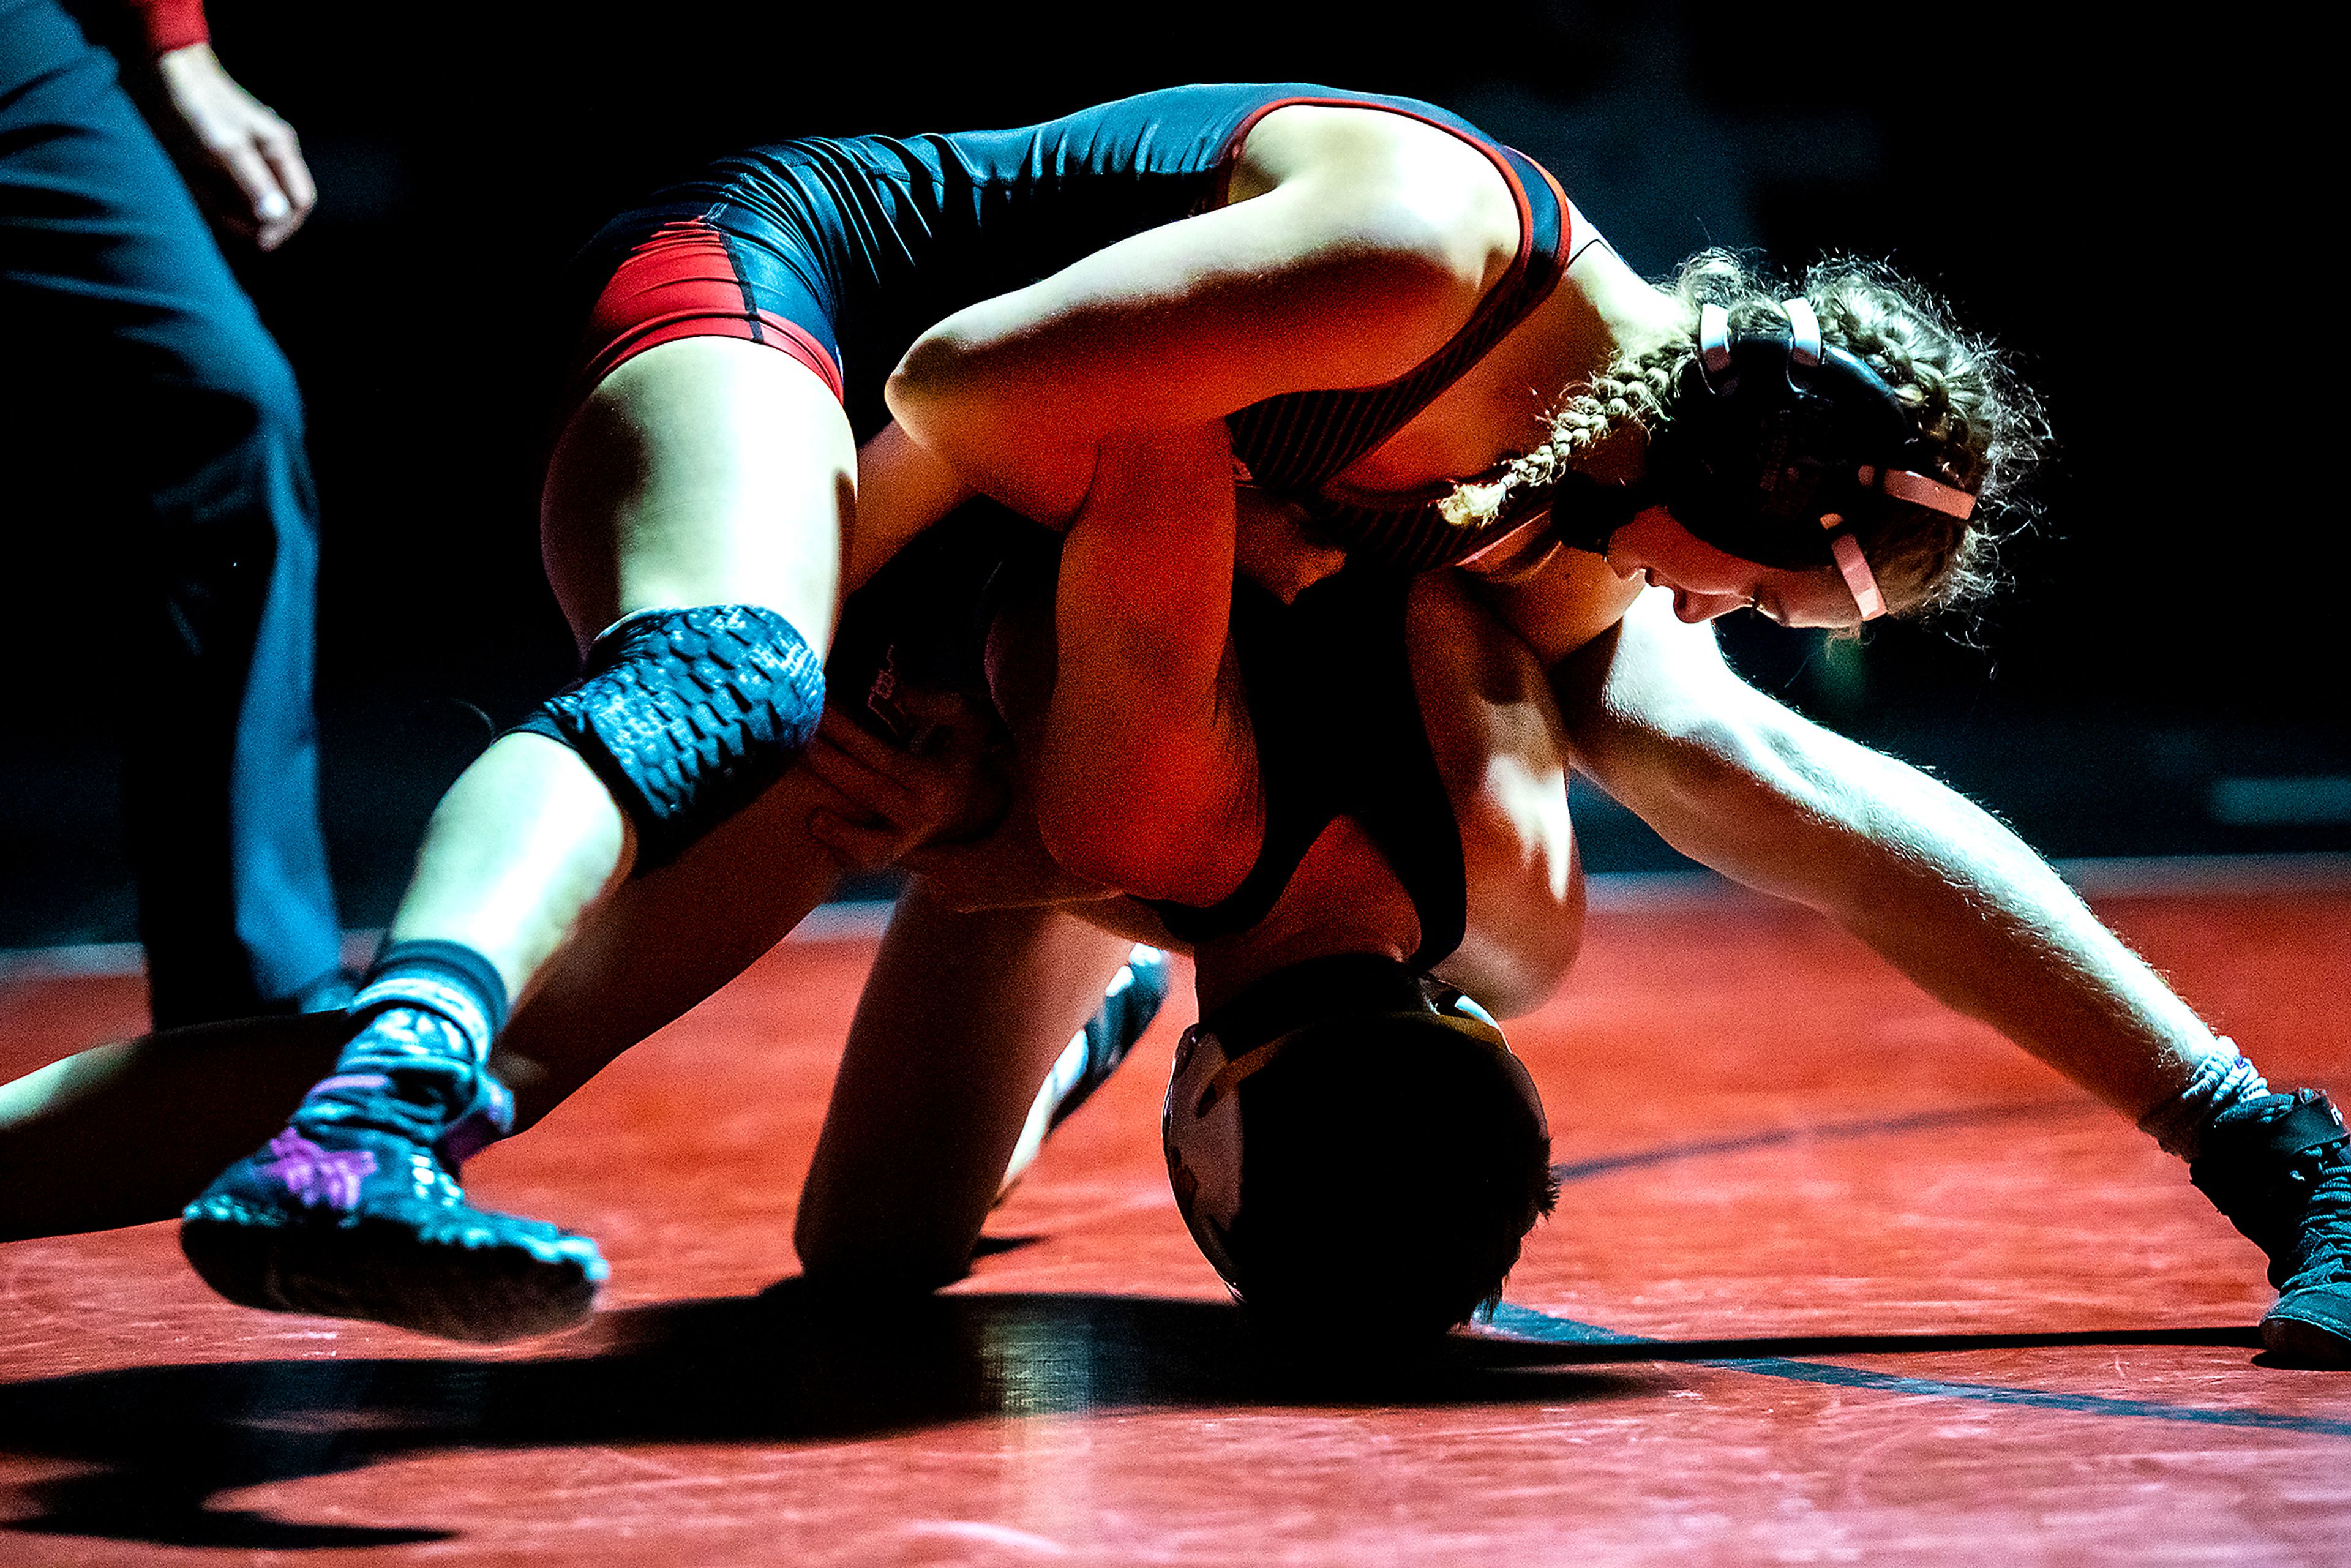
<point>1623,395</point>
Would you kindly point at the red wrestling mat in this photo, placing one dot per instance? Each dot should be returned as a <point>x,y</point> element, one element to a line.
<point>1919,1302</point>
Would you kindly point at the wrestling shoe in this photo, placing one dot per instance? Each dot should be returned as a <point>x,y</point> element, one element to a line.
<point>1132,999</point>
<point>354,1210</point>
<point>2279,1167</point>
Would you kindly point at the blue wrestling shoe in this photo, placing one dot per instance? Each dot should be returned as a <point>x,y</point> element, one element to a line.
<point>2279,1167</point>
<point>354,1210</point>
<point>1132,999</point>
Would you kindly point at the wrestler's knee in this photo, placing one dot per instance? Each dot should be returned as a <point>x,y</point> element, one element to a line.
<point>688,716</point>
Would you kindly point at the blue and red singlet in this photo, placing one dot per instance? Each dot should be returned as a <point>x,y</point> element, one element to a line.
<point>842,251</point>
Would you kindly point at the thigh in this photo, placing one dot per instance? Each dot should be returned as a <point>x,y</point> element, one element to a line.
<point>703,471</point>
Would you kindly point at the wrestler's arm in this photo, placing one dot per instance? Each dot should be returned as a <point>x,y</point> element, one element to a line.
<point>1931,881</point>
<point>1143,766</point>
<point>1364,243</point>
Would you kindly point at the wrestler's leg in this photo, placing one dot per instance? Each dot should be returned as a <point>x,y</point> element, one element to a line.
<point>650,952</point>
<point>704,472</point>
<point>936,1082</point>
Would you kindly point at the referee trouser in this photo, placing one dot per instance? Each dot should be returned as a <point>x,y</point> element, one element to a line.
<point>155,496</point>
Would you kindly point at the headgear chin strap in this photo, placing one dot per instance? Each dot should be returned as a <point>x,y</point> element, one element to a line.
<point>1771,447</point>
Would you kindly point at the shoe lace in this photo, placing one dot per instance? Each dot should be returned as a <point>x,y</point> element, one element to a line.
<point>2323,1256</point>
<point>408,1073</point>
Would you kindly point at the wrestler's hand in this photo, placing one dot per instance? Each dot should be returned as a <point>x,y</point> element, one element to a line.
<point>242,160</point>
<point>883,802</point>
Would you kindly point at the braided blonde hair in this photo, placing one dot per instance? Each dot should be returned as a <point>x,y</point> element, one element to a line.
<point>1983,429</point>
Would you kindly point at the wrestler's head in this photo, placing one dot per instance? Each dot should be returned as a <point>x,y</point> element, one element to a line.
<point>1356,1150</point>
<point>1853,396</point>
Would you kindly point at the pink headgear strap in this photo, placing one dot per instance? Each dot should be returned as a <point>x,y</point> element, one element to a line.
<point>1855,565</point>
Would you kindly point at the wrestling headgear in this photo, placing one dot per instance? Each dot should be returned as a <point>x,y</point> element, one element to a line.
<point>1353,1141</point>
<point>1772,447</point>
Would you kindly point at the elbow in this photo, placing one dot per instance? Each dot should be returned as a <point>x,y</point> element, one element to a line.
<point>923,383</point>
<point>1108,848</point>
<point>1743,772</point>
<point>1128,834</point>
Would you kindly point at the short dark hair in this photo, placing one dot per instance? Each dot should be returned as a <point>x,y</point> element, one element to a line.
<point>1390,1170</point>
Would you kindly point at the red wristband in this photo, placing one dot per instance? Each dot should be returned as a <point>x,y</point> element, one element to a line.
<point>168,25</point>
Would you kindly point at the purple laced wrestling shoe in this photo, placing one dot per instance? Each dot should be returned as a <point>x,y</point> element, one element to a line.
<point>354,1210</point>
<point>2279,1167</point>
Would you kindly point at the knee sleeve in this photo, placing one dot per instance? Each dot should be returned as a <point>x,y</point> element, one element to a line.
<point>687,715</point>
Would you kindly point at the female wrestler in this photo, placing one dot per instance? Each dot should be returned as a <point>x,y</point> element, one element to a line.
<point>1203,263</point>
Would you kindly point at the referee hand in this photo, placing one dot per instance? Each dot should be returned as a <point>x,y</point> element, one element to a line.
<point>242,162</point>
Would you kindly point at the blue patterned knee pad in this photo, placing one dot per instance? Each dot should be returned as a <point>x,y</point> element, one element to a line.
<point>687,715</point>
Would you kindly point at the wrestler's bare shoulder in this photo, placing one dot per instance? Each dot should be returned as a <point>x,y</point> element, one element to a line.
<point>1384,166</point>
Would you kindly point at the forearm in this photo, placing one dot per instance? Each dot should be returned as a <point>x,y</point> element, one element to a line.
<point>1932,882</point>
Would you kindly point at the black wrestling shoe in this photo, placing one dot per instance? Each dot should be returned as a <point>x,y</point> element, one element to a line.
<point>1133,999</point>
<point>1136,994</point>
<point>354,1210</point>
<point>2279,1167</point>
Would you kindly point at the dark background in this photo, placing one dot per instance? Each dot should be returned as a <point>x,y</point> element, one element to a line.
<point>2131,212</point>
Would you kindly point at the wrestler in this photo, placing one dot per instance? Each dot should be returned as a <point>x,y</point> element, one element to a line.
<point>1416,840</point>
<point>1200,267</point>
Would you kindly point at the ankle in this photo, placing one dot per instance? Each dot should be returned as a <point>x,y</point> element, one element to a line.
<point>429,1011</point>
<point>2222,1082</point>
<point>446,980</point>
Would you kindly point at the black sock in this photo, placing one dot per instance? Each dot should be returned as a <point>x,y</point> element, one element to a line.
<point>447,979</point>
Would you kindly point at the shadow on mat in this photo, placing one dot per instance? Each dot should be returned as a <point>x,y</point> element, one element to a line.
<point>783,1367</point>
